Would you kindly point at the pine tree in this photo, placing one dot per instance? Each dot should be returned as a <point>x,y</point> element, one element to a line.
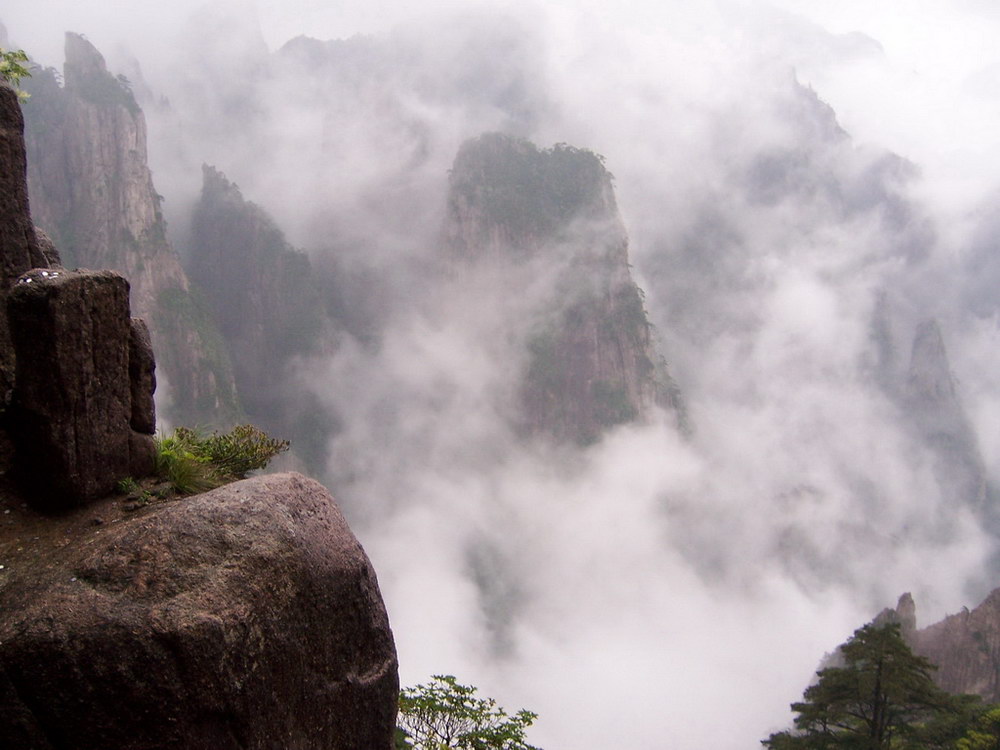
<point>883,698</point>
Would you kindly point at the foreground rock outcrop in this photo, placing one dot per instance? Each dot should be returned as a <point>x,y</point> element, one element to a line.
<point>247,617</point>
<point>82,414</point>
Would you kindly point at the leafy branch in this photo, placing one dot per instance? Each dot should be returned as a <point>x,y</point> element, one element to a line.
<point>13,68</point>
<point>444,714</point>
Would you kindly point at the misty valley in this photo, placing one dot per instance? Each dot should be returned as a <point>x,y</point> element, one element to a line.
<point>647,358</point>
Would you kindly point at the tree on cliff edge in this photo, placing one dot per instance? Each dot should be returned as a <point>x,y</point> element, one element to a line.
<point>444,715</point>
<point>883,697</point>
<point>12,70</point>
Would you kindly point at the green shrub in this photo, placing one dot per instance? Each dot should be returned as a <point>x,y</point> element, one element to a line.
<point>12,70</point>
<point>242,450</point>
<point>179,461</point>
<point>194,463</point>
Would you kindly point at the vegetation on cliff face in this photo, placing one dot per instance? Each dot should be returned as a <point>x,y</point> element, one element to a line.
<point>984,734</point>
<point>265,298</point>
<point>183,317</point>
<point>539,191</point>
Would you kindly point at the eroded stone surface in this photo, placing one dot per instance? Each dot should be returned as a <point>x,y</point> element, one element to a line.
<point>245,618</point>
<point>72,406</point>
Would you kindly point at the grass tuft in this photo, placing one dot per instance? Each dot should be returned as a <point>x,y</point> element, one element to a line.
<point>193,462</point>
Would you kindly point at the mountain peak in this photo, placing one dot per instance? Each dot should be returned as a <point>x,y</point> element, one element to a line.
<point>516,197</point>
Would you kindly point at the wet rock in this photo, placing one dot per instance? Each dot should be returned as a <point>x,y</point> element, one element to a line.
<point>19,245</point>
<point>247,618</point>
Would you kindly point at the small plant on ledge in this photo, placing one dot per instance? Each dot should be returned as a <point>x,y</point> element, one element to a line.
<point>192,462</point>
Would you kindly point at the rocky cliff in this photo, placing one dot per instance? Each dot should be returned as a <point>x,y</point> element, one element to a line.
<point>19,247</point>
<point>519,211</point>
<point>77,403</point>
<point>964,646</point>
<point>247,617</point>
<point>92,191</point>
<point>266,300</point>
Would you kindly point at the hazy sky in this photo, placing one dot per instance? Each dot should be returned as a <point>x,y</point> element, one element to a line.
<point>648,585</point>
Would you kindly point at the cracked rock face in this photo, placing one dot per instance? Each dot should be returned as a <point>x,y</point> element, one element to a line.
<point>78,420</point>
<point>19,249</point>
<point>248,617</point>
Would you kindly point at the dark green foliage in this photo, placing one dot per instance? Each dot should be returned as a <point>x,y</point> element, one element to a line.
<point>945,729</point>
<point>534,192</point>
<point>127,486</point>
<point>444,714</point>
<point>193,463</point>
<point>179,462</point>
<point>399,740</point>
<point>243,449</point>
<point>883,697</point>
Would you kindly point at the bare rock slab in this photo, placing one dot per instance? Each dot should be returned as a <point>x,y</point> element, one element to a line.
<point>247,618</point>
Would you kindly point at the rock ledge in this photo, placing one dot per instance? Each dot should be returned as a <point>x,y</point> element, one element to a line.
<point>246,617</point>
